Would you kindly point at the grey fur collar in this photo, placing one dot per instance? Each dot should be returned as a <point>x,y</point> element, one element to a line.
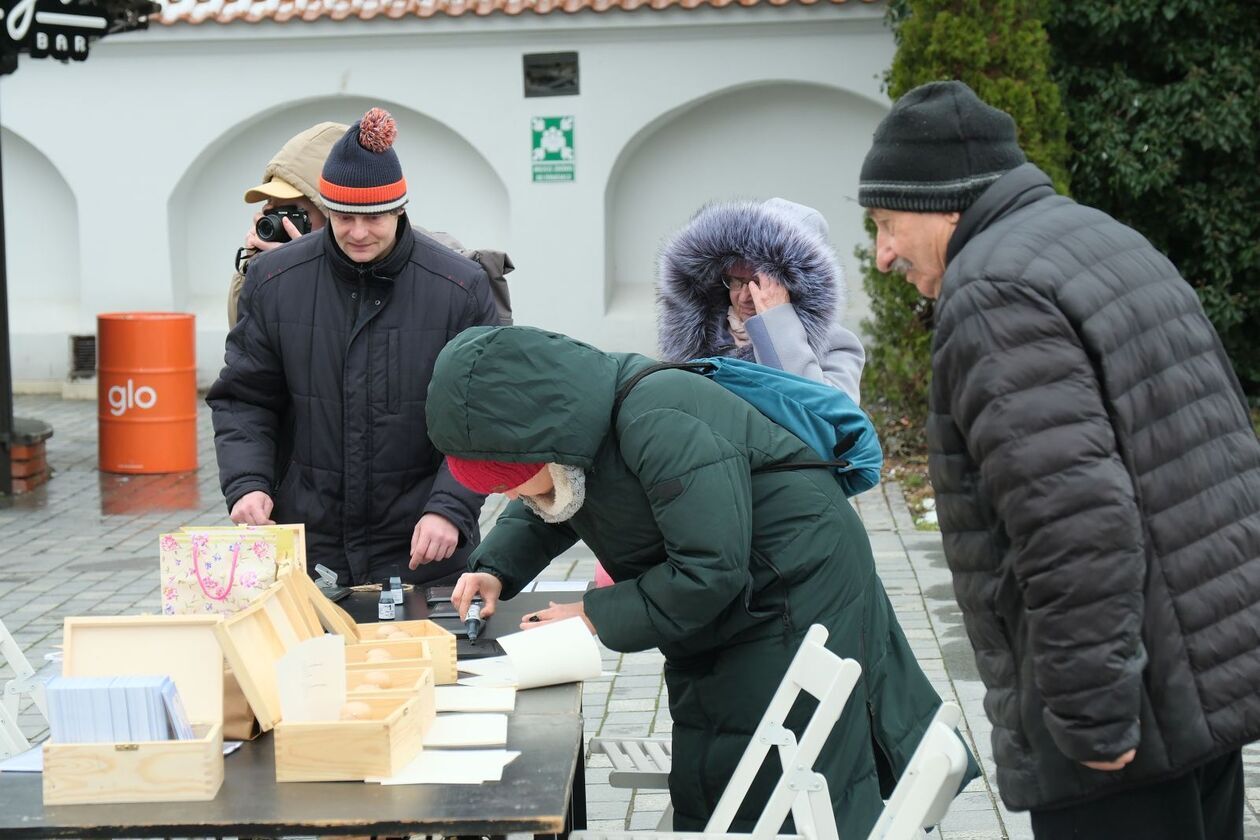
<point>691,302</point>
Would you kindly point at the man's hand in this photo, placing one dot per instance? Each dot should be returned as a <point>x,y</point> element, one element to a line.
<point>434,538</point>
<point>767,293</point>
<point>1118,764</point>
<point>253,243</point>
<point>253,509</point>
<point>556,612</point>
<point>472,584</point>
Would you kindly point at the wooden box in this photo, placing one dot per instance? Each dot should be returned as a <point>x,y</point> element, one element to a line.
<point>181,647</point>
<point>440,642</point>
<point>352,750</point>
<point>254,639</point>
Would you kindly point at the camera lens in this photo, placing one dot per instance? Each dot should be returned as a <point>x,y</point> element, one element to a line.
<point>270,229</point>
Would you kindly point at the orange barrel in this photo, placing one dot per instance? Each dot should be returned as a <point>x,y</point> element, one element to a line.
<point>146,399</point>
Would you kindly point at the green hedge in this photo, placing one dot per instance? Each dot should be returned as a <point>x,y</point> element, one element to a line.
<point>1163,100</point>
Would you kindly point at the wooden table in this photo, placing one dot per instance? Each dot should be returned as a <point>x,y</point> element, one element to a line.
<point>542,792</point>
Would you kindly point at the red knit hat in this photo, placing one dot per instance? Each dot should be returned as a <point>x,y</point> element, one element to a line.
<point>491,476</point>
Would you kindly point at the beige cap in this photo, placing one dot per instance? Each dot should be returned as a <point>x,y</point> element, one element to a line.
<point>274,188</point>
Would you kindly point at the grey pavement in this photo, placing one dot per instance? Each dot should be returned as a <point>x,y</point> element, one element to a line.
<point>86,544</point>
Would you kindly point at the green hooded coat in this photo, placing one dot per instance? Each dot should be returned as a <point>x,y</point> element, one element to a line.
<point>721,569</point>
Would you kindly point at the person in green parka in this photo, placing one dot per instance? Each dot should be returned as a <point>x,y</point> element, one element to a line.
<point>721,567</point>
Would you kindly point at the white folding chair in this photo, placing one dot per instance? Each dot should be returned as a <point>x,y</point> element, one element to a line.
<point>801,790</point>
<point>924,792</point>
<point>25,681</point>
<point>639,763</point>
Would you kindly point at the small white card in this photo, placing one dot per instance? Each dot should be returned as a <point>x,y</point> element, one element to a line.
<point>31,761</point>
<point>462,698</point>
<point>311,679</point>
<point>452,767</point>
<point>467,731</point>
<point>561,585</point>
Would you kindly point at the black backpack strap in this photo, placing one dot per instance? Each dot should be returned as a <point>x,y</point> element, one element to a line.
<point>804,465</point>
<point>624,390</point>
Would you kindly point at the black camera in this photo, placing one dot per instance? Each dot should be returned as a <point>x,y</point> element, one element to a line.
<point>270,228</point>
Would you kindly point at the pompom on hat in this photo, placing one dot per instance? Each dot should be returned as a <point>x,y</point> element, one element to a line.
<point>362,174</point>
<point>491,476</point>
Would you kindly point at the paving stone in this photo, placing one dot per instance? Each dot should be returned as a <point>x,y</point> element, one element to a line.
<point>645,820</point>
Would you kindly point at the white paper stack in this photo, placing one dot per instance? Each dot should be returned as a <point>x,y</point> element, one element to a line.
<point>90,710</point>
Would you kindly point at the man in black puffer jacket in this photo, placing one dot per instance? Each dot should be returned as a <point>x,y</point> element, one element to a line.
<point>1097,478</point>
<point>319,412</point>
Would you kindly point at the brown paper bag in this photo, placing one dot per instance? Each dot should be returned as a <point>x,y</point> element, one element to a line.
<point>239,723</point>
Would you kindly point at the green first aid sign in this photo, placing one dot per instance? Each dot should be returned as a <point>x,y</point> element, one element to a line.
<point>551,148</point>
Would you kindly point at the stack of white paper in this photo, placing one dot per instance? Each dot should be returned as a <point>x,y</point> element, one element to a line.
<point>88,710</point>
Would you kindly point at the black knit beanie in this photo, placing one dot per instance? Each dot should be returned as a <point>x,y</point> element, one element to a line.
<point>938,149</point>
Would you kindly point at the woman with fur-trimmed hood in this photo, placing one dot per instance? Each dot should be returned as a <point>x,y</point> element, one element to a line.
<point>757,281</point>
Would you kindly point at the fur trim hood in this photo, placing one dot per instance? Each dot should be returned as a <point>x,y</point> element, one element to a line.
<point>784,240</point>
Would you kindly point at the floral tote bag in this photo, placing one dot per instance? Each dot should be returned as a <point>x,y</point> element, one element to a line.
<point>216,570</point>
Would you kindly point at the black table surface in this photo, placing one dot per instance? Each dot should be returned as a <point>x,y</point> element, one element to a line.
<point>534,795</point>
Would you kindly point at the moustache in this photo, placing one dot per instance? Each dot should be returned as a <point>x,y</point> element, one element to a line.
<point>901,265</point>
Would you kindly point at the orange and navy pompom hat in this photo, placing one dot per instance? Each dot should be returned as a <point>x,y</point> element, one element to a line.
<point>362,174</point>
<point>490,476</point>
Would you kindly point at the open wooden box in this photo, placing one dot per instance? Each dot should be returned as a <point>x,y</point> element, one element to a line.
<point>254,639</point>
<point>398,638</point>
<point>181,647</point>
<point>352,750</point>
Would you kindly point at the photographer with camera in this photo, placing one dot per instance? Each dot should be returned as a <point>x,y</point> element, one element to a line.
<point>291,189</point>
<point>319,411</point>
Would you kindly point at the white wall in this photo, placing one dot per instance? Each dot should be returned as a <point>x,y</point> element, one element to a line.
<point>42,247</point>
<point>159,132</point>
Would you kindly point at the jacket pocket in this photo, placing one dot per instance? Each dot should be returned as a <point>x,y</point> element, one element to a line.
<point>766,595</point>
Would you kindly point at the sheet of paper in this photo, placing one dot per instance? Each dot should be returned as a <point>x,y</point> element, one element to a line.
<point>230,747</point>
<point>462,698</point>
<point>491,666</point>
<point>311,679</point>
<point>452,767</point>
<point>467,731</point>
<point>561,585</point>
<point>552,654</point>
<point>31,761</point>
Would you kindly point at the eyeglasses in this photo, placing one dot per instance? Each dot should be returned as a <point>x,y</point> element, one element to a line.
<point>736,284</point>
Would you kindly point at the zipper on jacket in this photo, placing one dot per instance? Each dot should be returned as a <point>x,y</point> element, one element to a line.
<point>878,744</point>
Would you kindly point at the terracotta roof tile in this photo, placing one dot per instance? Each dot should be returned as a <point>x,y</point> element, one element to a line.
<point>280,11</point>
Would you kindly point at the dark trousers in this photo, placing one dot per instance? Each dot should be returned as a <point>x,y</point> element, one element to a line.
<point>1204,804</point>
